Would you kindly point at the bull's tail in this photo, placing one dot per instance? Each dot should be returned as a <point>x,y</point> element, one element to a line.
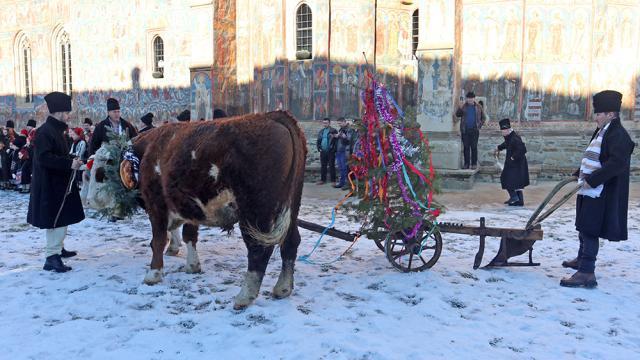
<point>278,230</point>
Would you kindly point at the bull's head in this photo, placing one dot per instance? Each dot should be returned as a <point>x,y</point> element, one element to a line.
<point>97,197</point>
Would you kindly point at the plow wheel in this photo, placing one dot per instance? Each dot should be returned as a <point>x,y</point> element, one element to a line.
<point>380,240</point>
<point>417,254</point>
<point>379,243</point>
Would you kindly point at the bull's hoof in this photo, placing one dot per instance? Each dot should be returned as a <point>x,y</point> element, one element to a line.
<point>241,302</point>
<point>284,286</point>
<point>282,292</point>
<point>249,291</point>
<point>193,268</point>
<point>153,276</point>
<point>172,251</point>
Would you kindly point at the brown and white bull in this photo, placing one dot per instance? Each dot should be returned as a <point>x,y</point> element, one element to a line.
<point>247,170</point>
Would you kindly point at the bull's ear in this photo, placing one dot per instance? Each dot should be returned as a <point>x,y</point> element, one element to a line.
<point>90,164</point>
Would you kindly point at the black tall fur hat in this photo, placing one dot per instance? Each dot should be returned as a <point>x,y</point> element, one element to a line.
<point>219,113</point>
<point>607,101</point>
<point>505,124</point>
<point>185,116</point>
<point>32,123</point>
<point>58,102</point>
<point>112,104</point>
<point>147,119</point>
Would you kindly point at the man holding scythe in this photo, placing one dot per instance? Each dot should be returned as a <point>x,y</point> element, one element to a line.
<point>55,200</point>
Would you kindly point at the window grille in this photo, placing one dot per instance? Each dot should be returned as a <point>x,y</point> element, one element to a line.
<point>65,64</point>
<point>304,33</point>
<point>158,55</point>
<point>26,68</point>
<point>415,30</point>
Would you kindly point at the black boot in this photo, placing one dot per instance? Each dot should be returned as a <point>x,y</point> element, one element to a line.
<point>580,279</point>
<point>573,264</point>
<point>513,198</point>
<point>54,263</point>
<point>520,197</point>
<point>68,254</point>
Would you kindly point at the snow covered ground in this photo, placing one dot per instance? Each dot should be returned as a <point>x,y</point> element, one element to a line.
<point>356,308</point>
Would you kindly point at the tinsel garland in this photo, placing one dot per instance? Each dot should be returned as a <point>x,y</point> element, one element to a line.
<point>382,155</point>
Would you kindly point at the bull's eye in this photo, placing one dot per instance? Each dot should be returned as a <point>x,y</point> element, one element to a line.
<point>109,162</point>
<point>100,175</point>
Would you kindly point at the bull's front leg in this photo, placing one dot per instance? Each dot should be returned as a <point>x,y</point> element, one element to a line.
<point>190,235</point>
<point>288,252</point>
<point>158,243</point>
<point>258,256</point>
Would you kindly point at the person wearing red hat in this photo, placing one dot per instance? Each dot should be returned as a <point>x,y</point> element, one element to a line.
<point>55,200</point>
<point>603,199</point>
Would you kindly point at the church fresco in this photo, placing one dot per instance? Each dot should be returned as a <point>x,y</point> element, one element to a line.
<point>346,82</point>
<point>301,89</point>
<point>497,85</point>
<point>201,96</point>
<point>435,71</point>
<point>320,90</point>
<point>566,56</point>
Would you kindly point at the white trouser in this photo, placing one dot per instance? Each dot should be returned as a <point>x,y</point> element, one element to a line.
<point>55,240</point>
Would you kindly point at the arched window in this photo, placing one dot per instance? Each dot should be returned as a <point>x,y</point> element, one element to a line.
<point>304,33</point>
<point>24,75</point>
<point>415,31</point>
<point>65,63</point>
<point>158,57</point>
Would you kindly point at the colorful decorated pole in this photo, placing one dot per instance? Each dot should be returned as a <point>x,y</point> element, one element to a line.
<point>394,175</point>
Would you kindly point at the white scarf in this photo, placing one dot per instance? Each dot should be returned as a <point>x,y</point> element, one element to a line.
<point>591,163</point>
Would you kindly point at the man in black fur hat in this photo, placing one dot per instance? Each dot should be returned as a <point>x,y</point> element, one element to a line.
<point>219,114</point>
<point>184,116</point>
<point>10,124</point>
<point>31,124</point>
<point>113,121</point>
<point>87,126</point>
<point>603,199</point>
<point>55,200</point>
<point>472,118</point>
<point>515,173</point>
<point>147,120</point>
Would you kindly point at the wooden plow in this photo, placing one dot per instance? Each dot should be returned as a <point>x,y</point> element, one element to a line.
<point>424,250</point>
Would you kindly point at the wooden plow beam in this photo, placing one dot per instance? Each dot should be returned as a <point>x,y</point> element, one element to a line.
<point>526,238</point>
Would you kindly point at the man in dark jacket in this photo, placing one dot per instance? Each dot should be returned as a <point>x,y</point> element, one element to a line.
<point>603,199</point>
<point>113,121</point>
<point>55,201</point>
<point>343,146</point>
<point>325,144</point>
<point>472,118</point>
<point>147,120</point>
<point>515,173</point>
